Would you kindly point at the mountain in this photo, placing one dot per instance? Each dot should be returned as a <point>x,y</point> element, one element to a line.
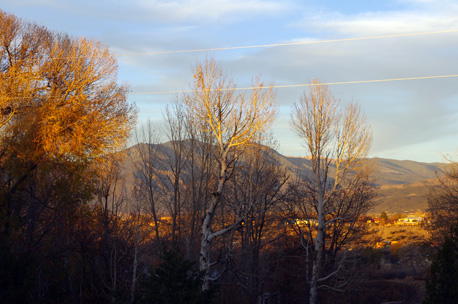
<point>399,172</point>
<point>402,185</point>
<point>405,198</point>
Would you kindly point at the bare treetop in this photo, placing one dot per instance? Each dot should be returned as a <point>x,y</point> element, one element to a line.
<point>233,118</point>
<point>332,133</point>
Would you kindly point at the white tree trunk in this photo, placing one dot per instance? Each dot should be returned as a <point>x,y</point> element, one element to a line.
<point>207,233</point>
<point>205,244</point>
<point>319,240</point>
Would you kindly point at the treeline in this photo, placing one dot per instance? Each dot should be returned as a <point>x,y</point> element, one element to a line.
<point>208,217</point>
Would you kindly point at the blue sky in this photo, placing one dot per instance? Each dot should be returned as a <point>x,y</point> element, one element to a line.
<point>415,119</point>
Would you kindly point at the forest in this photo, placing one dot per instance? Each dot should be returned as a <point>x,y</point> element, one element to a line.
<point>198,209</point>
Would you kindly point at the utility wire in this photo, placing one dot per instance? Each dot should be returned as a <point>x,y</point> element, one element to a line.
<point>303,85</point>
<point>271,86</point>
<point>285,44</point>
<point>261,45</point>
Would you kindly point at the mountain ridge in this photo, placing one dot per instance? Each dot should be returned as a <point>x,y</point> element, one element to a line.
<point>402,185</point>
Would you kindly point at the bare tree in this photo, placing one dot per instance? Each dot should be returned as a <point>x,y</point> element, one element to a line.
<point>176,160</point>
<point>200,177</point>
<point>111,199</point>
<point>139,227</point>
<point>147,183</point>
<point>338,140</point>
<point>443,204</point>
<point>257,189</point>
<point>234,121</point>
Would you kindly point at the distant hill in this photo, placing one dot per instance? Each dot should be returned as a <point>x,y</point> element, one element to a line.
<point>403,185</point>
<point>405,198</point>
<point>398,172</point>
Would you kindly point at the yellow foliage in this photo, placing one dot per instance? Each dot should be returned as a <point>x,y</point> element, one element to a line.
<point>59,95</point>
<point>233,118</point>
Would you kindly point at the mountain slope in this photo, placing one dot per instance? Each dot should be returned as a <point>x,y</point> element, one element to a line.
<point>396,172</point>
<point>402,185</point>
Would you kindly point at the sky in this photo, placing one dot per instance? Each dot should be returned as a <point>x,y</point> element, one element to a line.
<point>411,119</point>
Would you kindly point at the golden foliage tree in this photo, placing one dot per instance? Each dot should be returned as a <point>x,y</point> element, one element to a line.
<point>61,112</point>
<point>21,50</point>
<point>59,93</point>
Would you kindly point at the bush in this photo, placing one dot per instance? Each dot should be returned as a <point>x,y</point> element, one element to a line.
<point>175,281</point>
<point>442,281</point>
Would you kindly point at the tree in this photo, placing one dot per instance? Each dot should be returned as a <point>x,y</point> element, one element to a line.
<point>337,192</point>
<point>234,121</point>
<point>442,280</point>
<point>21,48</point>
<point>61,101</point>
<point>63,89</point>
<point>176,131</point>
<point>189,157</point>
<point>443,204</point>
<point>259,185</point>
<point>174,281</point>
<point>61,112</point>
<point>383,218</point>
<point>111,198</point>
<point>147,177</point>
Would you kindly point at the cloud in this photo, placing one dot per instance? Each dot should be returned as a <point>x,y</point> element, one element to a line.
<point>423,16</point>
<point>209,10</point>
<point>174,12</point>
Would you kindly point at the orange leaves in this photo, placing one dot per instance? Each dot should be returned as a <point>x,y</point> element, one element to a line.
<point>65,88</point>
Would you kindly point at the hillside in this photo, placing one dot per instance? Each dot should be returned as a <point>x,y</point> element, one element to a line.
<point>402,185</point>
<point>405,198</point>
<point>398,172</point>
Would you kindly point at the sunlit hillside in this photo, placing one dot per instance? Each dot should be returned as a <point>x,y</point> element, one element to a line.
<point>402,185</point>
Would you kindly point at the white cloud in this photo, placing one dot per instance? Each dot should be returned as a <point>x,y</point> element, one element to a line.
<point>157,11</point>
<point>427,16</point>
<point>207,11</point>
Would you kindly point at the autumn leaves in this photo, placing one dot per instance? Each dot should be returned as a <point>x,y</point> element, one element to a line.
<point>62,92</point>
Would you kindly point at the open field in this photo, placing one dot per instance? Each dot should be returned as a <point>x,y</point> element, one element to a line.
<point>401,234</point>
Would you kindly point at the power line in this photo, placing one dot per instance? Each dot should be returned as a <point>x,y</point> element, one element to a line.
<point>304,84</point>
<point>285,44</point>
<point>263,45</point>
<point>272,86</point>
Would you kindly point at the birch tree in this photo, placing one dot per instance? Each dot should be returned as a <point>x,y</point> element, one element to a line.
<point>234,120</point>
<point>337,139</point>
